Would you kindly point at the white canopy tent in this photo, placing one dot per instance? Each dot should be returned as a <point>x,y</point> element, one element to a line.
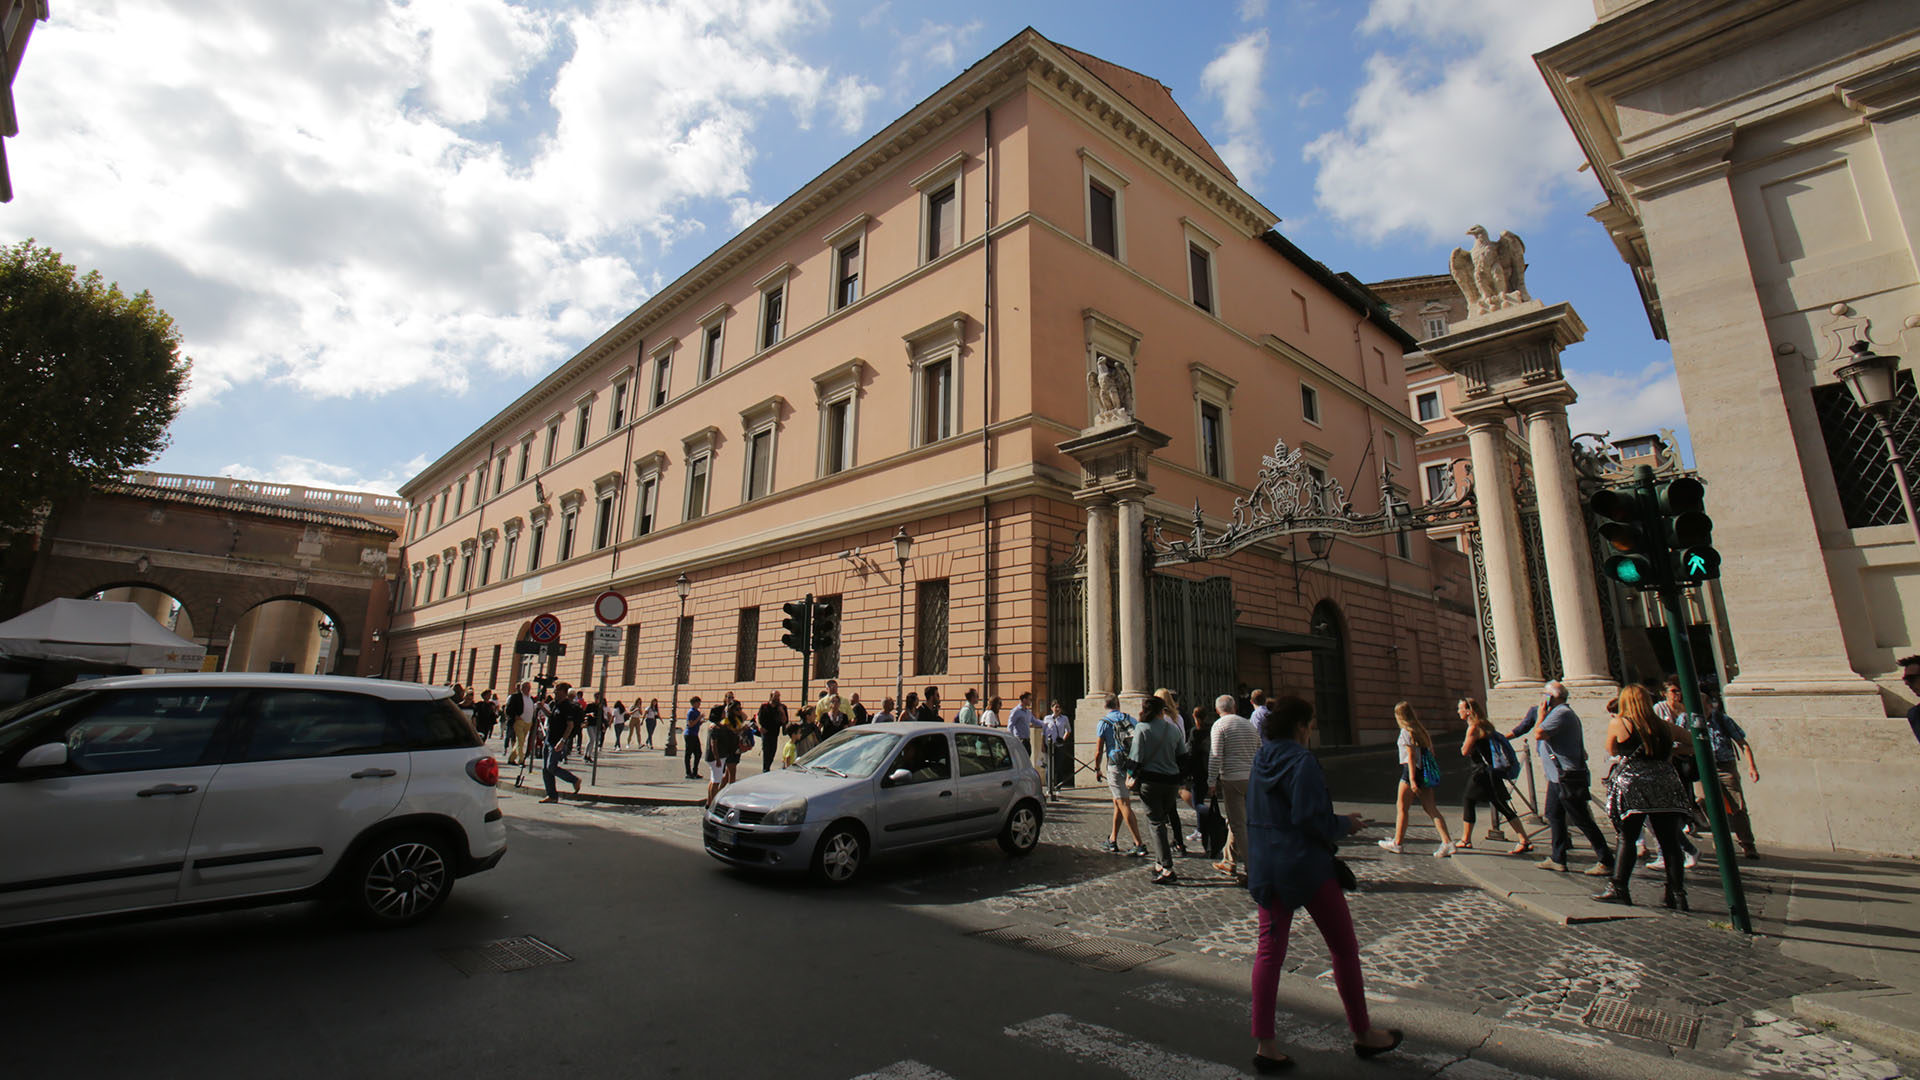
<point>97,632</point>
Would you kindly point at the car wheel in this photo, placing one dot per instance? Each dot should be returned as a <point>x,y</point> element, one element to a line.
<point>1022,831</point>
<point>399,879</point>
<point>840,856</point>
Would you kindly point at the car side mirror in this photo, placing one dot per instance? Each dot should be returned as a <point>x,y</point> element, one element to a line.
<point>49,756</point>
<point>899,776</point>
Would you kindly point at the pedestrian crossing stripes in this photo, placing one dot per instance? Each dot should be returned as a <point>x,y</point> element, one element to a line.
<point>1117,1050</point>
<point>905,1070</point>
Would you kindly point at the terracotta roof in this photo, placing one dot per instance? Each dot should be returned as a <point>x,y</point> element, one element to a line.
<point>258,507</point>
<point>1148,95</point>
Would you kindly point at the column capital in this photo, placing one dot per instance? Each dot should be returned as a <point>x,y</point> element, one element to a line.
<point>1547,401</point>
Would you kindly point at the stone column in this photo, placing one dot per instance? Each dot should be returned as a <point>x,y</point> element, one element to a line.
<point>1563,535</point>
<point>1099,600</point>
<point>1132,611</point>
<point>1518,653</point>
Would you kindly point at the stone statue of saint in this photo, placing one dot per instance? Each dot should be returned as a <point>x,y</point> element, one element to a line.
<point>1112,388</point>
<point>1493,274</point>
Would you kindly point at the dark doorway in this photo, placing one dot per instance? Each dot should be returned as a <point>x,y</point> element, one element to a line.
<point>1330,703</point>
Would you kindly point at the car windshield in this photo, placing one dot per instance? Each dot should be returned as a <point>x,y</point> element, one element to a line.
<point>855,752</point>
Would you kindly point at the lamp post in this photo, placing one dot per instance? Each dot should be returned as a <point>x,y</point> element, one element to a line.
<point>681,587</point>
<point>1870,378</point>
<point>902,549</point>
<point>1319,544</point>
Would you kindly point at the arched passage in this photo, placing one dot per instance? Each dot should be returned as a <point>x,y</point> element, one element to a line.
<point>166,608</point>
<point>1330,700</point>
<point>291,634</point>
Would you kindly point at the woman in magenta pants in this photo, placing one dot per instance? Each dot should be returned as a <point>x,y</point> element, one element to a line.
<point>1292,830</point>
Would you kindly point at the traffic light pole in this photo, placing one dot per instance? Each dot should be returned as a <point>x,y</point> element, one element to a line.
<point>806,658</point>
<point>1723,857</point>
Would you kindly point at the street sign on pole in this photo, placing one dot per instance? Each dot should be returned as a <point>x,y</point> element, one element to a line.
<point>610,607</point>
<point>544,629</point>
<point>606,641</point>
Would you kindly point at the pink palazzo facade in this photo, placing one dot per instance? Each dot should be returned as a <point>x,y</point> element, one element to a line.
<point>902,343</point>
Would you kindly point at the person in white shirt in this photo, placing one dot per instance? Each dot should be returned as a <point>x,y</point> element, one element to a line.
<point>1234,743</point>
<point>991,718</point>
<point>1057,726</point>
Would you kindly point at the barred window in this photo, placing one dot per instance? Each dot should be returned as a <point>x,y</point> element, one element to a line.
<point>1861,472</point>
<point>746,645</point>
<point>930,628</point>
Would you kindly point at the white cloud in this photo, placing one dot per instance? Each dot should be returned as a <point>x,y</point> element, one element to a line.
<point>1233,78</point>
<point>1251,10</point>
<point>311,472</point>
<point>1627,402</point>
<point>356,198</point>
<point>934,49</point>
<point>1310,97</point>
<point>1454,129</point>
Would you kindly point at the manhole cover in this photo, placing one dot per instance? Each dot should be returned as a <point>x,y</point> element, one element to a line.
<point>1103,954</point>
<point>507,954</point>
<point>1641,1021</point>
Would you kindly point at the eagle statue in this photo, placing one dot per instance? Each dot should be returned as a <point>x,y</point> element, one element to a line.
<point>1493,274</point>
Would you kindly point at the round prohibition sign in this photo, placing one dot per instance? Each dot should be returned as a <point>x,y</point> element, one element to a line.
<point>610,607</point>
<point>545,629</point>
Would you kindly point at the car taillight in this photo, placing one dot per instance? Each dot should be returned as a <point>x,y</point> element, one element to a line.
<point>484,770</point>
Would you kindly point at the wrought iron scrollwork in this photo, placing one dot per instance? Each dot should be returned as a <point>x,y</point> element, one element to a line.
<point>1292,496</point>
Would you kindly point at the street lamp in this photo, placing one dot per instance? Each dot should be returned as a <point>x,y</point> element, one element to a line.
<point>681,587</point>
<point>902,549</point>
<point>1870,378</point>
<point>1319,544</point>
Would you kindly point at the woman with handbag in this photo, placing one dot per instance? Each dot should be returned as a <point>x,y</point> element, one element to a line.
<point>1291,864</point>
<point>1419,775</point>
<point>1483,786</point>
<point>1645,789</point>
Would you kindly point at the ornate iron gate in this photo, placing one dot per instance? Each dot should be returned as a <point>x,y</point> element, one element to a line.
<point>1190,641</point>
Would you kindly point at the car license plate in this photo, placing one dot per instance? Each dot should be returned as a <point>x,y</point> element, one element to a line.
<point>725,837</point>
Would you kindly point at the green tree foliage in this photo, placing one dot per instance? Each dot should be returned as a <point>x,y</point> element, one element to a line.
<point>89,380</point>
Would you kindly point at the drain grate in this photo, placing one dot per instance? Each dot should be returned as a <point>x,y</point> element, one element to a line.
<point>1101,954</point>
<point>507,954</point>
<point>1641,1021</point>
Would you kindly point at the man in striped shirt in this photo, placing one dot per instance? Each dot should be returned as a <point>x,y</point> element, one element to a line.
<point>1234,743</point>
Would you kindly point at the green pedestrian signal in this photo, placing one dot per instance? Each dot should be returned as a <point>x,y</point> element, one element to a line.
<point>1624,519</point>
<point>1689,531</point>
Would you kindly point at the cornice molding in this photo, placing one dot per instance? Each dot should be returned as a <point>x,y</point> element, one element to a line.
<point>1703,155</point>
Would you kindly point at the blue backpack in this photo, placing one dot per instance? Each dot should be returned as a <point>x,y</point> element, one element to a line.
<point>1504,765</point>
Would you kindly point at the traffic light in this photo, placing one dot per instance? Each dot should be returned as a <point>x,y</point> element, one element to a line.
<point>1689,531</point>
<point>1625,520</point>
<point>797,636</point>
<point>826,628</point>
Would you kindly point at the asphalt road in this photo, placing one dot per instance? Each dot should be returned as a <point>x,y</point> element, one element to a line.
<point>680,967</point>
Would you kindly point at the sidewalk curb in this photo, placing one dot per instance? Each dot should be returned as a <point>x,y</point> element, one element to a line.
<point>1543,904</point>
<point>1886,1018</point>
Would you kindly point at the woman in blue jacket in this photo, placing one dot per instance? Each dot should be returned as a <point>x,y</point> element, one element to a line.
<point>1292,831</point>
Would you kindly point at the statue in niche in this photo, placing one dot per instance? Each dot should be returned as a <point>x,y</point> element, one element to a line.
<point>1493,274</point>
<point>1112,389</point>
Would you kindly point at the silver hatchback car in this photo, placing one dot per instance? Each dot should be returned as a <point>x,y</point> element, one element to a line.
<point>878,789</point>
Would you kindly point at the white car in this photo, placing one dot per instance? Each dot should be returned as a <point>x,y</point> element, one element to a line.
<point>176,793</point>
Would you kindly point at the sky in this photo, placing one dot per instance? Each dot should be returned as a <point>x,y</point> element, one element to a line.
<point>377,222</point>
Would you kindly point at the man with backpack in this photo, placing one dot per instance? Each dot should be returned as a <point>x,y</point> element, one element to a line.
<point>1115,733</point>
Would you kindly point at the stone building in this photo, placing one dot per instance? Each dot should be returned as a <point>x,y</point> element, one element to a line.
<point>16,26</point>
<point>1760,161</point>
<point>903,343</point>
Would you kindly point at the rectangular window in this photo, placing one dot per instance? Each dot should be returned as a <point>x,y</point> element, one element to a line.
<point>586,660</point>
<point>630,664</point>
<point>603,522</point>
<point>500,475</point>
<point>413,532</point>
<point>460,497</point>
<point>846,275</point>
<point>553,444</point>
<point>1318,496</point>
<point>526,462</point>
<point>473,666</point>
<point>773,309</point>
<point>433,571</point>
<point>1436,327</point>
<point>746,645</point>
<point>662,379</point>
<point>759,464</point>
<point>535,541</point>
<point>418,580</point>
<point>697,486</point>
<point>1393,448</point>
<point>1103,227</point>
<point>839,435</point>
<point>710,352</point>
<point>649,496</point>
<point>506,556</point>
<point>683,650</point>
<point>930,628</point>
<point>1211,430</point>
<point>936,401</point>
<point>433,667</point>
<point>480,484</point>
<point>446,583</point>
<point>826,660</point>
<point>1309,403</point>
<point>1427,406</point>
<point>1200,269</point>
<point>493,672</point>
<point>617,416</point>
<point>446,496</point>
<point>568,522</point>
<point>1439,483</point>
<point>580,426</point>
<point>486,563</point>
<point>942,222</point>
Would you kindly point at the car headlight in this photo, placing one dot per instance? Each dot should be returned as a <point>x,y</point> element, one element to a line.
<point>791,812</point>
